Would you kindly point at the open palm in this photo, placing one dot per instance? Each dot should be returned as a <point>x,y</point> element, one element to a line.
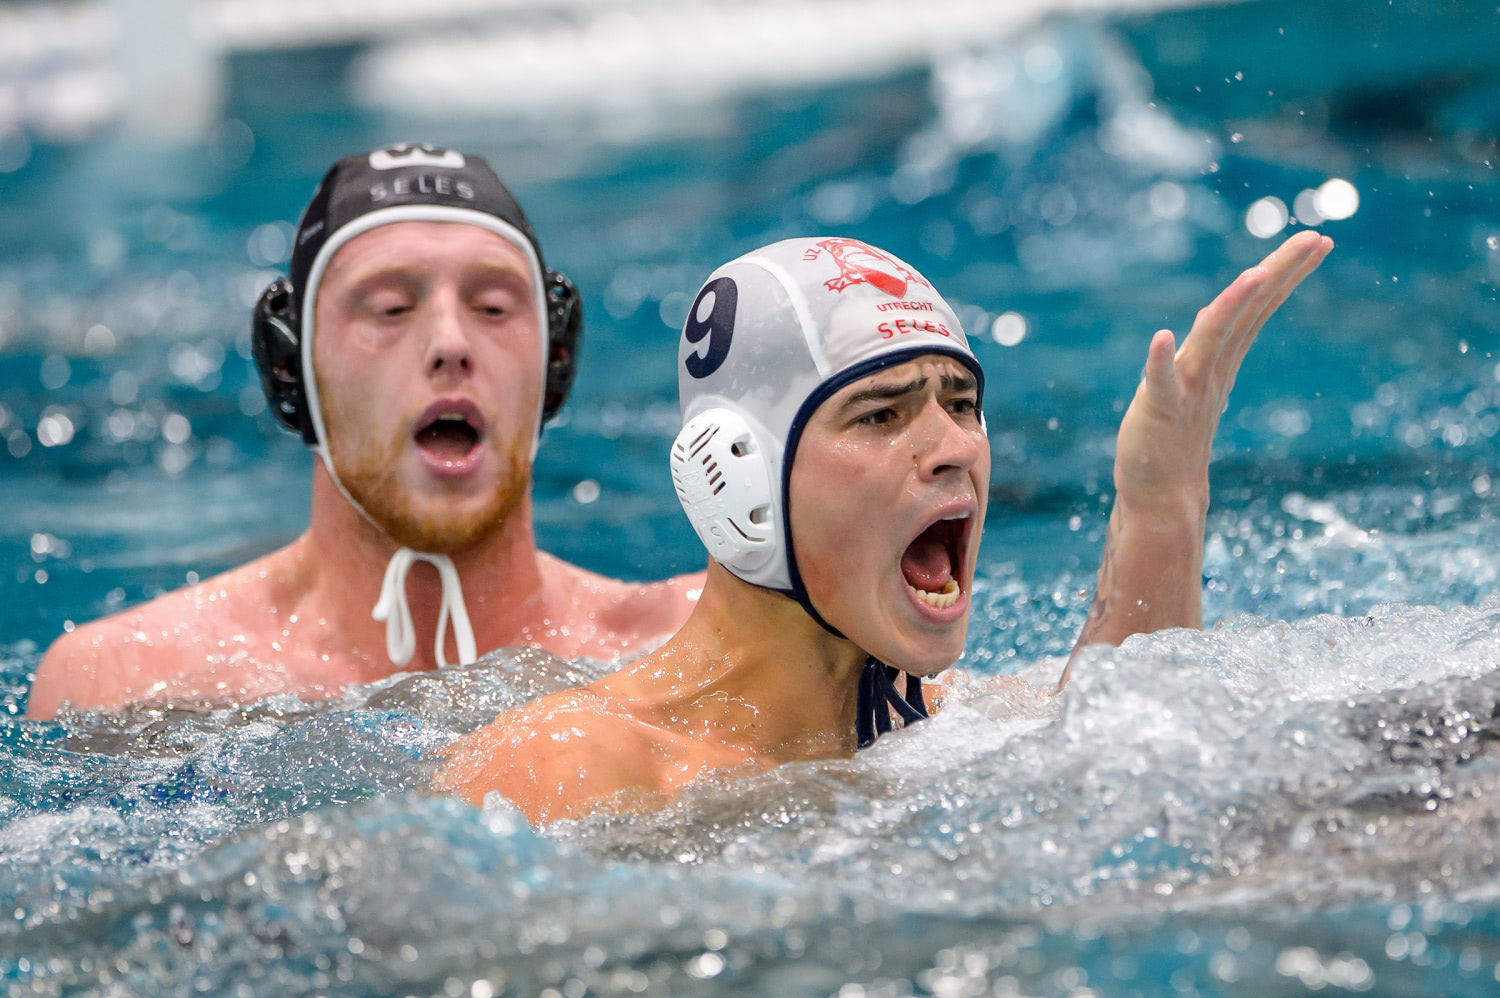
<point>1150,575</point>
<point>1166,437</point>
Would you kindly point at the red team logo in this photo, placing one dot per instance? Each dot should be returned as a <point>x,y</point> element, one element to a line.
<point>860,263</point>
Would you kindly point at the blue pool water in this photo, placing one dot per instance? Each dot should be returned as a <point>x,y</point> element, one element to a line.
<point>1302,798</point>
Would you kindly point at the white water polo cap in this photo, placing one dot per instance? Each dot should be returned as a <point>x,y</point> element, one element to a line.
<point>770,337</point>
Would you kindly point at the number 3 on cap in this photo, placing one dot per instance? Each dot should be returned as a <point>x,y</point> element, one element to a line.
<point>712,315</point>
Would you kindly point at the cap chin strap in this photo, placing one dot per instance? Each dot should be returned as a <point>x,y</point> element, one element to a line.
<point>393,608</point>
<point>878,696</point>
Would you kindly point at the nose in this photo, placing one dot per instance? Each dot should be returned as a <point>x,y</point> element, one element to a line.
<point>448,349</point>
<point>944,444</point>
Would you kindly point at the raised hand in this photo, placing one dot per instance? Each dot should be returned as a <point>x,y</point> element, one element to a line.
<point>1151,573</point>
<point>1161,456</point>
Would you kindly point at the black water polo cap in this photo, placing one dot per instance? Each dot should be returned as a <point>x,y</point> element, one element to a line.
<point>404,174</point>
<point>405,182</point>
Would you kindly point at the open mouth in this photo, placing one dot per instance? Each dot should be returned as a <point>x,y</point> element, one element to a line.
<point>449,431</point>
<point>933,562</point>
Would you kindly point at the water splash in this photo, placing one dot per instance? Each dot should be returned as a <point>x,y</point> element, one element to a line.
<point>1210,783</point>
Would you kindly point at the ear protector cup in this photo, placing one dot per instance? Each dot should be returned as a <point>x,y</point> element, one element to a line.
<point>564,336</point>
<point>724,481</point>
<point>276,345</point>
<point>277,349</point>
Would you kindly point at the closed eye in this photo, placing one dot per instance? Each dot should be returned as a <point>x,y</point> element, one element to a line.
<point>496,291</point>
<point>495,304</point>
<point>390,302</point>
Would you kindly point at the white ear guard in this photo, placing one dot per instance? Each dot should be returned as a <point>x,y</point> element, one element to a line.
<point>727,486</point>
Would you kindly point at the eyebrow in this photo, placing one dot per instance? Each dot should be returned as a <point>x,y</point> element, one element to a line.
<point>414,276</point>
<point>385,275</point>
<point>885,393</point>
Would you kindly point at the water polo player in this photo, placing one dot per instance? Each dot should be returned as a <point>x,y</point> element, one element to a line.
<point>834,461</point>
<point>417,346</point>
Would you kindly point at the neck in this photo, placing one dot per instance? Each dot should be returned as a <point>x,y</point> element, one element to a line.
<point>750,668</point>
<point>500,574</point>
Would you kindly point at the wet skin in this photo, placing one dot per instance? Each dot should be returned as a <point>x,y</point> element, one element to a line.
<point>415,320</point>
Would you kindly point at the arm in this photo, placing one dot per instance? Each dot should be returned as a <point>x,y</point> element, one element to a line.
<point>1150,576</point>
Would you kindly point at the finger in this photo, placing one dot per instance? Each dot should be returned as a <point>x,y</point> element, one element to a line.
<point>1290,254</point>
<point>1161,373</point>
<point>1234,318</point>
<point>1280,272</point>
<point>1283,265</point>
<point>1319,248</point>
<point>1296,258</point>
<point>1216,323</point>
<point>1275,293</point>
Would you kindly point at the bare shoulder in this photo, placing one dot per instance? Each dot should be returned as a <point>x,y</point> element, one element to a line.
<point>634,610</point>
<point>555,758</point>
<point>115,659</point>
<point>69,670</point>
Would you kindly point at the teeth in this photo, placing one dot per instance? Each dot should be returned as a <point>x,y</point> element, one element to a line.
<point>453,415</point>
<point>958,516</point>
<point>939,600</point>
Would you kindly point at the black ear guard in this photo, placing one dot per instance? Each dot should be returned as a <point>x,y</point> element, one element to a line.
<point>276,345</point>
<point>564,334</point>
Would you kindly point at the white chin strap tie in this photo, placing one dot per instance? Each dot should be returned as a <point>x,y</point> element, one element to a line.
<point>393,608</point>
